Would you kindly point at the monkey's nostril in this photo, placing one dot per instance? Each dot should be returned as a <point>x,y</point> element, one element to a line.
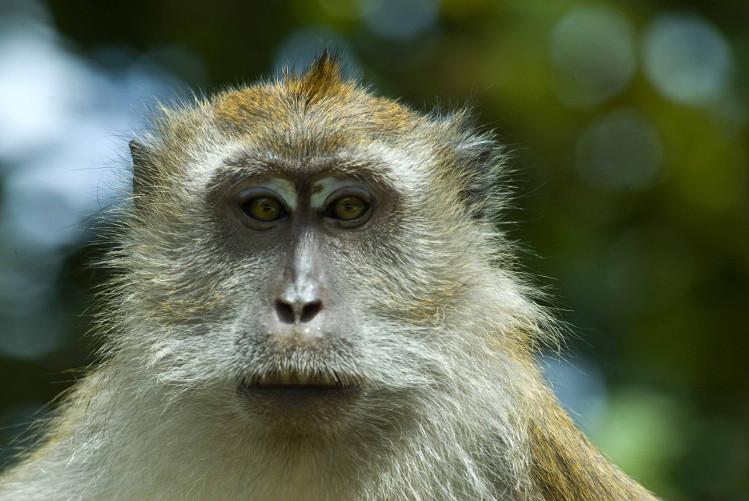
<point>310,310</point>
<point>285,312</point>
<point>289,313</point>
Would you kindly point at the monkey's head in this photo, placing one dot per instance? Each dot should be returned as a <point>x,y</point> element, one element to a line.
<point>306,259</point>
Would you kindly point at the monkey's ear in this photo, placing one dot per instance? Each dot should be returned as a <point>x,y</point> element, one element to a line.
<point>481,160</point>
<point>142,170</point>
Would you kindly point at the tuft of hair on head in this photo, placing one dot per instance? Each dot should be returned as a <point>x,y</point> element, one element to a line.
<point>321,78</point>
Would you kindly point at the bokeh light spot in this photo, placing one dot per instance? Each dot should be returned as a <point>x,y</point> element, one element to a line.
<point>621,153</point>
<point>687,59</point>
<point>401,20</point>
<point>301,47</point>
<point>643,431</point>
<point>33,336</point>
<point>60,117</point>
<point>579,385</point>
<point>593,49</point>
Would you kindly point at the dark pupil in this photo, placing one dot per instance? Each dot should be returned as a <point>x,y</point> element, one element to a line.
<point>263,208</point>
<point>349,207</point>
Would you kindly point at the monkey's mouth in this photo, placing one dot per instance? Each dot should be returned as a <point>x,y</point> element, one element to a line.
<point>296,381</point>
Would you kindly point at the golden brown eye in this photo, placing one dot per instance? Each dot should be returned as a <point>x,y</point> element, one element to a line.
<point>263,208</point>
<point>349,208</point>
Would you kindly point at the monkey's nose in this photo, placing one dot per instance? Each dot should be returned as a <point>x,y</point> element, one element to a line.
<point>291,312</point>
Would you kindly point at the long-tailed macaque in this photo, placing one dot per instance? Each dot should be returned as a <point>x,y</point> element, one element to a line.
<point>312,301</point>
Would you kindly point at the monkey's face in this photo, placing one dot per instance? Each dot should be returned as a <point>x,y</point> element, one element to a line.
<point>302,236</point>
<point>322,290</point>
<point>308,295</point>
<point>306,268</point>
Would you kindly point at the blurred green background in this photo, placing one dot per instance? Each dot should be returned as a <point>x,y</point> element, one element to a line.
<point>628,126</point>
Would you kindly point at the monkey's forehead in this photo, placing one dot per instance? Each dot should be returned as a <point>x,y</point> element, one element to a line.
<point>293,110</point>
<point>320,98</point>
<point>316,115</point>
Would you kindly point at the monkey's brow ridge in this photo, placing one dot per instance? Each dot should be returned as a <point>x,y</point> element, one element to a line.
<point>251,165</point>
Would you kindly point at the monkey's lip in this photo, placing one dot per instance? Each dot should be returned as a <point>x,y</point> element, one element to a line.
<point>302,380</point>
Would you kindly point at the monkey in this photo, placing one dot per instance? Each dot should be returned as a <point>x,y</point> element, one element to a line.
<point>311,299</point>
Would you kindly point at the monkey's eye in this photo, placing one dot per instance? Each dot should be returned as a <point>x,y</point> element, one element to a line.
<point>263,208</point>
<point>347,208</point>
